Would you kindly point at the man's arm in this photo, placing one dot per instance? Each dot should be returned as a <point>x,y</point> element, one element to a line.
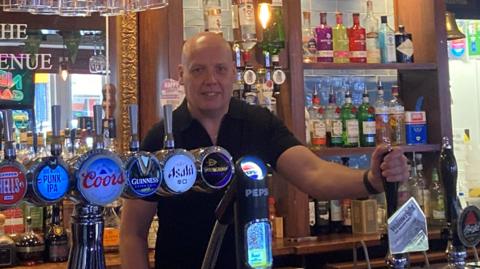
<point>328,181</point>
<point>137,216</point>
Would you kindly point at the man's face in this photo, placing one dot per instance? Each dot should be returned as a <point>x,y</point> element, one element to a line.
<point>208,75</point>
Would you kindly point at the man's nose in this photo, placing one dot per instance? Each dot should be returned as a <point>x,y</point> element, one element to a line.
<point>211,76</point>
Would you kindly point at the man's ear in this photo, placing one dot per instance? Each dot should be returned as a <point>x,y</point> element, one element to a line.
<point>180,74</point>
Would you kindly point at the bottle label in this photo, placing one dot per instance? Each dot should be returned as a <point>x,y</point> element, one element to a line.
<point>213,21</point>
<point>180,173</point>
<point>368,127</point>
<point>216,170</point>
<point>235,23</point>
<point>58,250</point>
<point>406,47</point>
<point>324,42</point>
<point>323,212</point>
<point>319,132</point>
<point>144,174</point>
<point>382,130</point>
<point>358,54</point>
<point>311,213</point>
<point>336,210</point>
<point>396,120</point>
<point>337,127</point>
<point>101,179</point>
<point>389,47</point>
<point>325,53</point>
<point>13,184</point>
<point>52,182</point>
<point>352,131</point>
<point>111,237</point>
<point>373,51</point>
<point>246,14</point>
<point>438,214</point>
<point>341,54</point>
<point>34,249</point>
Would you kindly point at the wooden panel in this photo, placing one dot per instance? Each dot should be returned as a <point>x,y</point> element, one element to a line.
<point>175,40</point>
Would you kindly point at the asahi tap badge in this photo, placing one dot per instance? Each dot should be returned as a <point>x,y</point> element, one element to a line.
<point>215,168</point>
<point>49,180</point>
<point>13,181</point>
<point>179,170</point>
<point>143,170</point>
<point>99,174</point>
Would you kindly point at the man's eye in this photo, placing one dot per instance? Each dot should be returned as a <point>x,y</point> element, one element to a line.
<point>221,69</point>
<point>197,70</point>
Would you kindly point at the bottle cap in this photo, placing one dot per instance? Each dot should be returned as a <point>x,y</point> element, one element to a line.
<point>384,19</point>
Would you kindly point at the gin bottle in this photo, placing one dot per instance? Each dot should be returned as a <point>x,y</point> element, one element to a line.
<point>396,118</point>
<point>340,41</point>
<point>371,28</point>
<point>386,38</point>
<point>309,43</point>
<point>350,131</point>
<point>356,39</point>
<point>366,122</point>
<point>404,45</point>
<point>324,40</point>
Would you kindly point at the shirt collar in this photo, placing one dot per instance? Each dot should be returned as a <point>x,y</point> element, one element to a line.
<point>182,117</point>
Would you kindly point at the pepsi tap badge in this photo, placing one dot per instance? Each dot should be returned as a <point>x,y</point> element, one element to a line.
<point>144,174</point>
<point>100,177</point>
<point>49,181</point>
<point>253,229</point>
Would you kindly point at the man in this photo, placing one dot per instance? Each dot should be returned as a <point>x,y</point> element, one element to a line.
<point>209,116</point>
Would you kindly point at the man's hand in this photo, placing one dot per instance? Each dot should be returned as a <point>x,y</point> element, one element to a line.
<point>391,165</point>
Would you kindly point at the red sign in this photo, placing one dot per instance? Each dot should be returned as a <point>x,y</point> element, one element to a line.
<point>13,185</point>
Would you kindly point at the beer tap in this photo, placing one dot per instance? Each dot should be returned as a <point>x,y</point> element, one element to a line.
<point>48,177</point>
<point>215,168</point>
<point>179,170</point>
<point>13,180</point>
<point>143,170</point>
<point>100,180</point>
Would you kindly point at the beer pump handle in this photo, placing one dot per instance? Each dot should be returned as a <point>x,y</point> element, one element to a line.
<point>56,147</point>
<point>133,113</point>
<point>8,124</point>
<point>168,142</point>
<point>98,126</point>
<point>391,188</point>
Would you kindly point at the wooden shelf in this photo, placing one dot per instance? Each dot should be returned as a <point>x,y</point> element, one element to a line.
<point>345,152</point>
<point>397,66</point>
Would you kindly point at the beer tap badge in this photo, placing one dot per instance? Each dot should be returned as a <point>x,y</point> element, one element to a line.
<point>254,168</point>
<point>144,174</point>
<point>52,180</point>
<point>216,170</point>
<point>179,173</point>
<point>100,179</point>
<point>469,226</point>
<point>13,184</point>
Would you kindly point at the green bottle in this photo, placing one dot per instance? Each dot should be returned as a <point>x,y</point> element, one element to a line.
<point>366,122</point>
<point>333,122</point>
<point>274,34</point>
<point>349,123</point>
<point>437,202</point>
<point>340,41</point>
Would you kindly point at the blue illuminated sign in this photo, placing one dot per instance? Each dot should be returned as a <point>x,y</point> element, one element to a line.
<point>253,167</point>
<point>52,183</point>
<point>258,244</point>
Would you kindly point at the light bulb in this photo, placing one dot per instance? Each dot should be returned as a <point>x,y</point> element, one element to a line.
<point>63,71</point>
<point>264,14</point>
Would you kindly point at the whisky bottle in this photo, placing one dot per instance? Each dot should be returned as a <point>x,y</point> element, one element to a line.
<point>30,246</point>
<point>56,238</point>
<point>7,246</point>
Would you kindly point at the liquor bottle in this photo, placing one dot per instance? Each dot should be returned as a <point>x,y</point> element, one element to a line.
<point>238,85</point>
<point>322,217</point>
<point>237,35</point>
<point>340,41</point>
<point>356,41</point>
<point>381,117</point>
<point>111,233</point>
<point>56,238</point>
<point>438,201</point>
<point>324,40</point>
<point>309,42</point>
<point>386,39</point>
<point>347,215</point>
<point>350,131</point>
<point>336,217</point>
<point>371,28</point>
<point>246,15</point>
<point>22,147</point>
<point>318,130</point>
<point>311,215</point>
<point>274,35</point>
<point>212,15</point>
<point>67,149</point>
<point>111,135</point>
<point>422,193</point>
<point>366,122</point>
<point>396,118</point>
<point>80,144</point>
<point>12,173</point>
<point>404,190</point>
<point>333,122</point>
<point>404,45</point>
<point>7,246</point>
<point>30,246</point>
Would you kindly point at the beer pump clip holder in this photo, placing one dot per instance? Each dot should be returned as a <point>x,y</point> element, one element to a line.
<point>247,198</point>
<point>468,230</point>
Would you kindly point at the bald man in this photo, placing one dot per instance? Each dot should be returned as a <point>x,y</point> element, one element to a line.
<point>210,116</point>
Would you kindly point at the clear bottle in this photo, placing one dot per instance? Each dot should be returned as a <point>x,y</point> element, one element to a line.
<point>110,142</point>
<point>212,15</point>
<point>381,117</point>
<point>311,215</point>
<point>404,190</point>
<point>340,41</point>
<point>371,28</point>
<point>422,193</point>
<point>56,238</point>
<point>30,246</point>
<point>396,118</point>
<point>336,216</point>
<point>111,233</point>
<point>67,149</point>
<point>404,45</point>
<point>356,41</point>
<point>324,40</point>
<point>350,131</point>
<point>386,39</point>
<point>7,246</point>
<point>41,148</point>
<point>333,122</point>
<point>437,201</point>
<point>366,122</point>
<point>246,15</point>
<point>309,42</point>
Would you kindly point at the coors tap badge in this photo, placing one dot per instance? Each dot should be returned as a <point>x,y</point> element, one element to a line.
<point>99,173</point>
<point>13,181</point>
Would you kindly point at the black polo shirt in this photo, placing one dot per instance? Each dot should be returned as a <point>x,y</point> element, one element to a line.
<point>186,221</point>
